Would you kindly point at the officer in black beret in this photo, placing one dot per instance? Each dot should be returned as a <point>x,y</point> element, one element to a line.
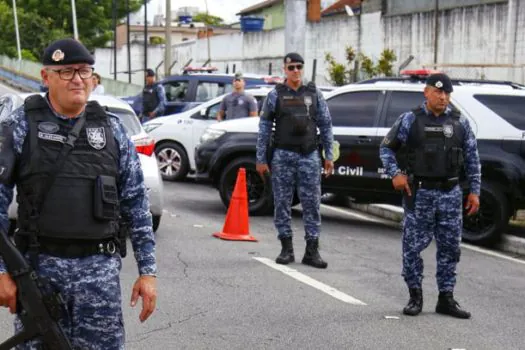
<point>439,148</point>
<point>73,163</point>
<point>293,155</point>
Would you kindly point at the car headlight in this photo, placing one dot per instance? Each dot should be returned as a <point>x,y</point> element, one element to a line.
<point>151,126</point>
<point>211,134</point>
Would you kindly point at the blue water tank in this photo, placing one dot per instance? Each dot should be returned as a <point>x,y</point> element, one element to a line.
<point>252,24</point>
<point>185,19</point>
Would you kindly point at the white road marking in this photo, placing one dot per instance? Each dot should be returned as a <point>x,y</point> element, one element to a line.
<point>351,213</point>
<point>492,253</point>
<point>310,281</point>
<point>464,245</point>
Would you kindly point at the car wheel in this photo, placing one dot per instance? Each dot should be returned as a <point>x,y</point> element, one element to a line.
<point>156,222</point>
<point>486,227</point>
<point>173,161</point>
<point>260,199</point>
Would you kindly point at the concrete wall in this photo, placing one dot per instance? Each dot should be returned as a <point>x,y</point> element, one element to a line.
<point>488,34</point>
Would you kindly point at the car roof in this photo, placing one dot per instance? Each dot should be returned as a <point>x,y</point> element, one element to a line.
<point>486,88</point>
<point>219,77</point>
<point>104,100</point>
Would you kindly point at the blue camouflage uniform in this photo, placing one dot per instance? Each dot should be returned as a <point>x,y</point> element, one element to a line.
<point>90,286</point>
<point>436,212</point>
<point>291,169</point>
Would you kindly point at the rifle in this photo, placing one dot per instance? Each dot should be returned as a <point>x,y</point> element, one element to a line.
<point>39,307</point>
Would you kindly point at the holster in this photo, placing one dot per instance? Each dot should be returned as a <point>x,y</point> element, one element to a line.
<point>410,201</point>
<point>123,233</point>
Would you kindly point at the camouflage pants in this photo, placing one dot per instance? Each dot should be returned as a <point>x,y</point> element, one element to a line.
<point>90,288</point>
<point>291,170</point>
<point>436,214</point>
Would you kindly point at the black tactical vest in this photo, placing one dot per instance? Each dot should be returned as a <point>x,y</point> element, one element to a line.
<point>150,99</point>
<point>295,122</point>
<point>435,150</point>
<point>70,205</point>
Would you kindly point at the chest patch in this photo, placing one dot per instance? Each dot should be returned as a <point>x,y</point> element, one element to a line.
<point>51,137</point>
<point>96,137</point>
<point>448,130</point>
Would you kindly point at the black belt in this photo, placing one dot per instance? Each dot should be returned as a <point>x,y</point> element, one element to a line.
<point>436,184</point>
<point>70,248</point>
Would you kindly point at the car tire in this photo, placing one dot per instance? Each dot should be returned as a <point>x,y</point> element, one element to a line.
<point>156,222</point>
<point>173,161</point>
<point>260,199</point>
<point>487,226</point>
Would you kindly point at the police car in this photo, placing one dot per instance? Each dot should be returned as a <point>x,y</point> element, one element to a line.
<point>177,135</point>
<point>198,85</point>
<point>144,145</point>
<point>362,115</point>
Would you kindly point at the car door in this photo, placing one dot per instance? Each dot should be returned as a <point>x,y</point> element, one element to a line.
<point>397,103</point>
<point>177,95</point>
<point>200,121</point>
<point>355,116</point>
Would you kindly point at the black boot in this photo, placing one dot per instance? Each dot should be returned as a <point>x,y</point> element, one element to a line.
<point>415,303</point>
<point>286,255</point>
<point>448,306</point>
<point>311,255</point>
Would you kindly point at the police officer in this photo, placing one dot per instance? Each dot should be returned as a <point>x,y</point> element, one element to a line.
<point>70,204</point>
<point>435,146</point>
<point>237,104</point>
<point>153,98</point>
<point>297,110</point>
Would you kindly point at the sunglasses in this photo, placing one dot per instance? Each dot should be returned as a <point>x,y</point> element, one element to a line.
<point>292,67</point>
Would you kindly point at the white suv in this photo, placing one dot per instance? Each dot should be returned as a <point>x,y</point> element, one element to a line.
<point>177,135</point>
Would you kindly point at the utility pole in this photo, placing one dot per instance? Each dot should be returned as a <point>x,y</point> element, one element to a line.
<point>17,33</point>
<point>436,32</point>
<point>74,14</point>
<point>207,30</point>
<point>115,39</point>
<point>128,42</point>
<point>167,49</point>
<point>145,38</point>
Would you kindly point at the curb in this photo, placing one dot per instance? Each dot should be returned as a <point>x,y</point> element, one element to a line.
<point>509,244</point>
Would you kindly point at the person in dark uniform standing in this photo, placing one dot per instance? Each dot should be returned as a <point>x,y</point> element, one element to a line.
<point>153,98</point>
<point>438,147</point>
<point>297,110</point>
<point>79,180</point>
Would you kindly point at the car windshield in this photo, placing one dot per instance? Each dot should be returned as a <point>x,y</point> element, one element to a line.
<point>129,120</point>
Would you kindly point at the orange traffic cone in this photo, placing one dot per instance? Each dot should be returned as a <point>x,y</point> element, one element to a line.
<point>236,226</point>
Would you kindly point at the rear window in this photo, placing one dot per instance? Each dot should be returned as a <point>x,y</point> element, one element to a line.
<point>129,120</point>
<point>510,108</point>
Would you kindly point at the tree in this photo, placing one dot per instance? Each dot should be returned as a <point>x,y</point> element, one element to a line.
<point>364,67</point>
<point>208,19</point>
<point>53,20</point>
<point>33,44</point>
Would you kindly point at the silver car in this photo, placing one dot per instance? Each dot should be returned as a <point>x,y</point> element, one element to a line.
<point>144,144</point>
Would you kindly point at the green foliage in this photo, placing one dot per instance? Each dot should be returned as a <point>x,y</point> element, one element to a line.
<point>341,74</point>
<point>157,40</point>
<point>208,19</point>
<point>42,21</point>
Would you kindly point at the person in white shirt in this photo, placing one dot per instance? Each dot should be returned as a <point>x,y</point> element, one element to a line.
<point>98,88</point>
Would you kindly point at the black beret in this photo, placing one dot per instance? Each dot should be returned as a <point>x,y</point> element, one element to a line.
<point>440,81</point>
<point>293,57</point>
<point>66,51</point>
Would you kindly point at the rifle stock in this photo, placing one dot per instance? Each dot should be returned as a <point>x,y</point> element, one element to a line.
<point>38,306</point>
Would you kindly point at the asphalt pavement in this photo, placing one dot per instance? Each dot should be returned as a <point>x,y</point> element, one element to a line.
<point>216,294</point>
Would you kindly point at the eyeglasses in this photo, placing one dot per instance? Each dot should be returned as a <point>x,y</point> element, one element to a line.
<point>69,73</point>
<point>292,67</point>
